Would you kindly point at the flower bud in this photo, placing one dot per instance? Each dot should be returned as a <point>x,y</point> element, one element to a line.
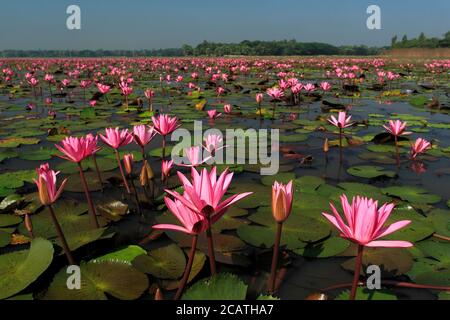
<point>128,161</point>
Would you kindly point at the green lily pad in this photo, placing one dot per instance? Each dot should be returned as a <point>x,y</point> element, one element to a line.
<point>7,220</point>
<point>223,286</point>
<point>117,279</point>
<point>366,190</point>
<point>308,184</point>
<point>328,248</point>
<point>78,239</point>
<point>366,294</point>
<point>70,216</point>
<point>392,261</point>
<point>411,194</point>
<point>440,219</point>
<point>16,179</point>
<point>21,268</point>
<point>126,254</point>
<point>5,238</point>
<point>370,172</point>
<point>8,154</point>
<point>430,272</point>
<point>10,202</point>
<point>39,154</point>
<point>283,177</point>
<point>165,263</point>
<point>14,142</point>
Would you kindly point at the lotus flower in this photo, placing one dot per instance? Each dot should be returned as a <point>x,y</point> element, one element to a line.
<point>103,88</point>
<point>46,183</point>
<point>227,108</point>
<point>325,86</point>
<point>194,156</point>
<point>116,138</point>
<point>164,124</point>
<point>192,222</point>
<point>77,149</point>
<point>166,166</point>
<point>205,192</point>
<point>213,114</point>
<point>365,223</point>
<point>396,128</point>
<point>128,160</point>
<point>420,146</point>
<point>143,134</point>
<point>213,143</point>
<point>282,196</point>
<point>342,122</point>
<point>275,93</point>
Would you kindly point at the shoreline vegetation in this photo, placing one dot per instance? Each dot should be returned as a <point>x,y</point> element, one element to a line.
<point>441,47</point>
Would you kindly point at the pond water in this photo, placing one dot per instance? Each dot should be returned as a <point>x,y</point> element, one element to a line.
<point>313,256</point>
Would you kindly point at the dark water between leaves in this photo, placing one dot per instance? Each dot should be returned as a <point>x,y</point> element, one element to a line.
<point>304,275</point>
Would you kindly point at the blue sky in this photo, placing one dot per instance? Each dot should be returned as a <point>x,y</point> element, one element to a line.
<point>149,24</point>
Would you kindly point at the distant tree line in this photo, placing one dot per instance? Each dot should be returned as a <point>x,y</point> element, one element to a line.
<point>421,42</point>
<point>244,48</point>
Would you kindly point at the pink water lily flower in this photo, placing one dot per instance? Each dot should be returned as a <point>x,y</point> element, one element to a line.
<point>213,114</point>
<point>76,149</point>
<point>116,138</point>
<point>325,86</point>
<point>275,93</point>
<point>192,222</point>
<point>46,183</point>
<point>164,124</point>
<point>166,166</point>
<point>259,98</point>
<point>194,157</point>
<point>143,134</point>
<point>282,196</point>
<point>396,128</point>
<point>365,222</point>
<point>205,192</point>
<point>103,88</point>
<point>213,143</point>
<point>420,146</point>
<point>227,108</point>
<point>342,121</point>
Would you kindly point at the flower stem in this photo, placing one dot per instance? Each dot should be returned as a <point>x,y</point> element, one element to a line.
<point>121,171</point>
<point>61,236</point>
<point>358,263</point>
<point>99,176</point>
<point>212,258</point>
<point>276,250</point>
<point>188,268</point>
<point>135,195</point>
<point>397,151</point>
<point>340,144</point>
<point>88,197</point>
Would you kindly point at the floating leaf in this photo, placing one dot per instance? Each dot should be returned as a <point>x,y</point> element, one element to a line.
<point>126,254</point>
<point>370,172</point>
<point>366,294</point>
<point>166,262</point>
<point>393,261</point>
<point>411,194</point>
<point>328,248</point>
<point>222,286</point>
<point>117,279</point>
<point>21,268</point>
